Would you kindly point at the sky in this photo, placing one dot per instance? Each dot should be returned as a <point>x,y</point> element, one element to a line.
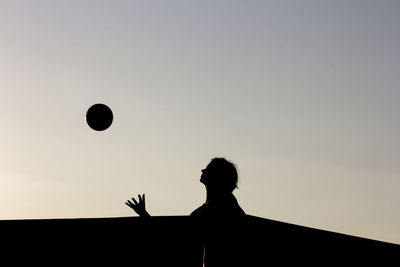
<point>301,95</point>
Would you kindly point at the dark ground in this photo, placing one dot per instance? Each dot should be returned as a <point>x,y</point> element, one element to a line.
<point>176,241</point>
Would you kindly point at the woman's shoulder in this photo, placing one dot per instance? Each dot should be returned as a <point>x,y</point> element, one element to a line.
<point>199,211</point>
<point>232,207</point>
<point>225,208</point>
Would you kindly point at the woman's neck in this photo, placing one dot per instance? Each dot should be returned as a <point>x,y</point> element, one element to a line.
<point>215,195</point>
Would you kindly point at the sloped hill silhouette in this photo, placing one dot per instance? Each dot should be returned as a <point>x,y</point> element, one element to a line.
<point>176,241</point>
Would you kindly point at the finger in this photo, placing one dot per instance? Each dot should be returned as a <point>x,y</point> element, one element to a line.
<point>143,198</point>
<point>140,198</point>
<point>129,203</point>
<point>134,200</point>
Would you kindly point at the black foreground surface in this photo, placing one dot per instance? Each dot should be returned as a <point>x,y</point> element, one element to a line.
<point>177,241</point>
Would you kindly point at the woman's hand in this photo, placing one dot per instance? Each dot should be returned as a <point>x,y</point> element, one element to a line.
<point>140,207</point>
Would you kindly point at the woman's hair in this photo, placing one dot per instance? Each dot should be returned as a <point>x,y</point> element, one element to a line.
<point>225,172</point>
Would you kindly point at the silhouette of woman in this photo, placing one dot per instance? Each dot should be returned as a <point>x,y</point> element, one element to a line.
<point>220,179</point>
<point>218,217</point>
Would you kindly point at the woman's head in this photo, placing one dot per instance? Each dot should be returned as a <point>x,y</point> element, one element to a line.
<point>220,174</point>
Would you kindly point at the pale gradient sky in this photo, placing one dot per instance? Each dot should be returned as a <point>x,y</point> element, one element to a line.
<point>301,95</point>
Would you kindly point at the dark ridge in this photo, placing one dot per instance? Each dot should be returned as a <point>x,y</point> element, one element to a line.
<point>177,241</point>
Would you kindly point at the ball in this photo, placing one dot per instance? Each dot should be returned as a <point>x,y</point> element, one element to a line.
<point>99,117</point>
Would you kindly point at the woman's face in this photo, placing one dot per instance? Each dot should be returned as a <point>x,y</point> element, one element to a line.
<point>203,175</point>
<point>206,175</point>
<point>216,176</point>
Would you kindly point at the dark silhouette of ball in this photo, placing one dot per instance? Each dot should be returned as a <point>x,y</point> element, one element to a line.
<point>99,117</point>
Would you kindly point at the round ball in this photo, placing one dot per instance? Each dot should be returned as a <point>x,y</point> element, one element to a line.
<point>99,117</point>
